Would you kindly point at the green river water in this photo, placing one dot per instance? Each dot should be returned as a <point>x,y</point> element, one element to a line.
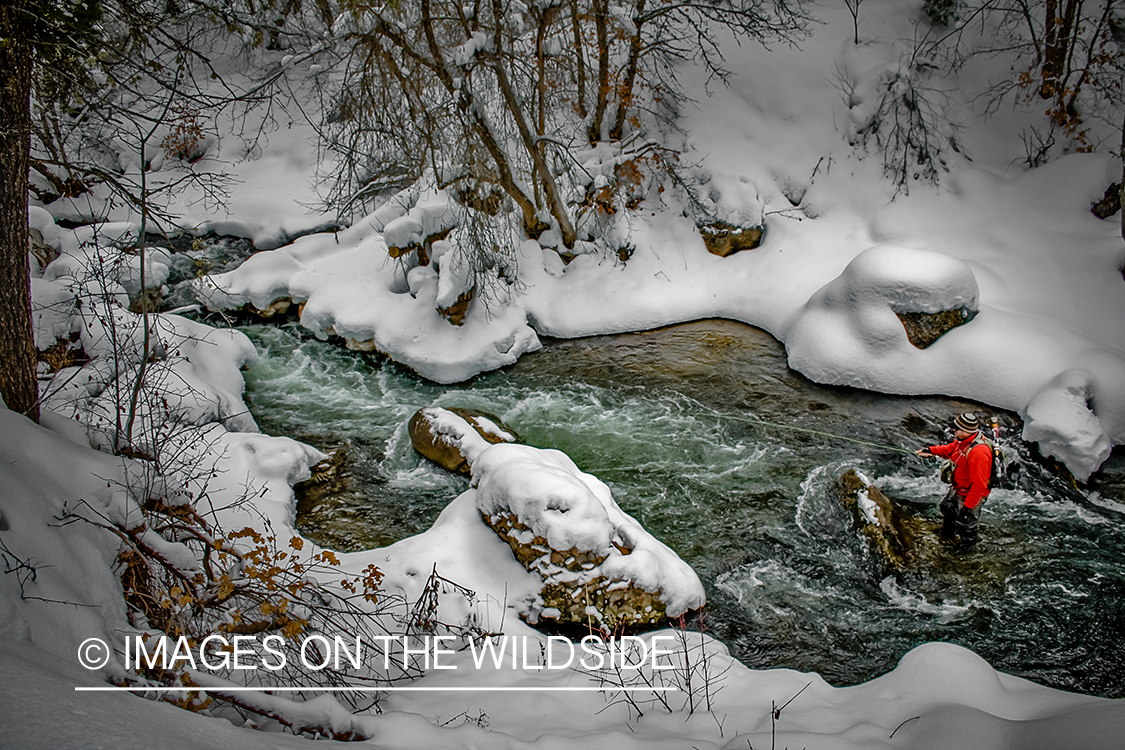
<point>691,427</point>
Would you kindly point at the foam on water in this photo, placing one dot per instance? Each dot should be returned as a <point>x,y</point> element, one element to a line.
<point>751,506</point>
<point>1102,502</point>
<point>944,612</point>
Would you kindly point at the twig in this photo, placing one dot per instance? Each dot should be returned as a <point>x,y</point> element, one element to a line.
<point>777,711</point>
<point>900,726</point>
<point>775,716</point>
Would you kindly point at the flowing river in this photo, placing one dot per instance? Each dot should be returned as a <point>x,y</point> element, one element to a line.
<point>717,448</point>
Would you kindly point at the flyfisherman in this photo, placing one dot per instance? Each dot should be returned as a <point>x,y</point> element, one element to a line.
<point>969,473</point>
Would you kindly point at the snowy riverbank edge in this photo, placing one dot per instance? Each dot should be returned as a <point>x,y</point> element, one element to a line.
<point>940,695</point>
<point>1017,245</point>
<point>76,595</point>
<point>834,307</point>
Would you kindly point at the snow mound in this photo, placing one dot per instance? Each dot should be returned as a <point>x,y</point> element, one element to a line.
<point>265,278</point>
<point>572,509</point>
<point>351,287</point>
<point>431,215</point>
<point>1060,421</point>
<point>852,320</point>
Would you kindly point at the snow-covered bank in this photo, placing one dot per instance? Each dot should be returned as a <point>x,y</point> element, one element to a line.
<point>1016,247</point>
<point>957,697</point>
<point>1044,349</point>
<point>939,695</point>
<point>249,175</point>
<point>1042,273</point>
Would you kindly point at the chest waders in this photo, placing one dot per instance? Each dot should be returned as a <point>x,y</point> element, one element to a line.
<point>957,520</point>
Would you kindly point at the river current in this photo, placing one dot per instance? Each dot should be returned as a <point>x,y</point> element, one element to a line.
<point>718,449</point>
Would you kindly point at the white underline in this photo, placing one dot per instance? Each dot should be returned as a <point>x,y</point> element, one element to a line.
<point>266,689</point>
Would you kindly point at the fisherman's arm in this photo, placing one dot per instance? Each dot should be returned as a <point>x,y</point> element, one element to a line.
<point>939,451</point>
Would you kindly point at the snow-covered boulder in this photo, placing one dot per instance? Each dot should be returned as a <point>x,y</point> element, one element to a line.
<point>1059,419</point>
<point>259,282</point>
<point>854,319</point>
<point>428,221</point>
<point>598,566</point>
<point>453,438</point>
<point>41,253</point>
<point>54,312</point>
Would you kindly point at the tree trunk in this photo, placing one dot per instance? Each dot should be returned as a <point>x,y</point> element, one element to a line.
<point>531,223</point>
<point>515,109</point>
<point>18,384</point>
<point>579,60</point>
<point>1050,49</point>
<point>601,23</point>
<point>554,200</point>
<point>541,71</point>
<point>1057,48</point>
<point>624,105</point>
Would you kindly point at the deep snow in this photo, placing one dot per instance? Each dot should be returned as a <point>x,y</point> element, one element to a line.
<point>1047,341</point>
<point>1040,271</point>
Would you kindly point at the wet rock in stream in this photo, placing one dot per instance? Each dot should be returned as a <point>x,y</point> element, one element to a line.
<point>438,434</point>
<point>891,538</point>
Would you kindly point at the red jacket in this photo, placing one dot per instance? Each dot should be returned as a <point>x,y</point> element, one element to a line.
<point>972,468</point>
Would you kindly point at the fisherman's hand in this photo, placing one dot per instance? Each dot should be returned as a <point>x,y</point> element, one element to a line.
<point>923,453</point>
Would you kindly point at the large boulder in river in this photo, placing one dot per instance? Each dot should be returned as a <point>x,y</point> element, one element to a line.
<point>865,327</point>
<point>599,568</point>
<point>885,526</point>
<point>453,437</point>
<point>923,329</point>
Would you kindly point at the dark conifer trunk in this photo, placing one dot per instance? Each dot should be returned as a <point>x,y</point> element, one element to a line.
<point>17,348</point>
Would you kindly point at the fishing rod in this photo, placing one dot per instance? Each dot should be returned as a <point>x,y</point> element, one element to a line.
<point>807,430</point>
<point>810,431</point>
<point>794,428</point>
